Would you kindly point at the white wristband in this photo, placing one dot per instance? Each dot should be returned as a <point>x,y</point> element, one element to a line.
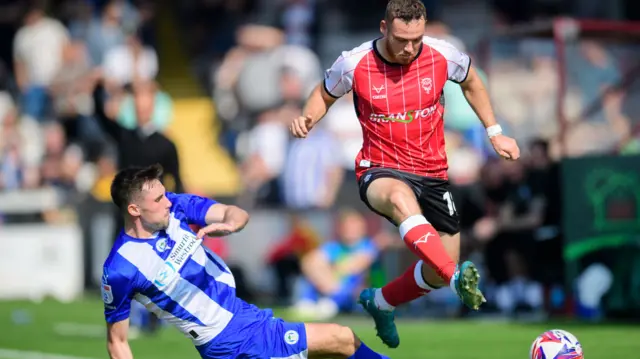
<point>494,130</point>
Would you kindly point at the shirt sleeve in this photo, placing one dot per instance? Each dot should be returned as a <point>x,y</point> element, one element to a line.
<point>117,292</point>
<point>458,65</point>
<point>338,79</point>
<point>458,62</point>
<point>194,207</point>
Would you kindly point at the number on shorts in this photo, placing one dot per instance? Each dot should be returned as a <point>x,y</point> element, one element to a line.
<point>452,207</point>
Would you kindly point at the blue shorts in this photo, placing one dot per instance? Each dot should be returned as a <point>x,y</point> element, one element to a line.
<point>273,339</point>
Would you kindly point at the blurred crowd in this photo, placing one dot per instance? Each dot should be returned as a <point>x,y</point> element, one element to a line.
<point>79,98</point>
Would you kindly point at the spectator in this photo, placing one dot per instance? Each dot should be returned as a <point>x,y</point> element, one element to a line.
<point>334,273</point>
<point>342,122</point>
<point>38,55</point>
<point>162,111</point>
<point>71,90</point>
<point>511,254</point>
<point>101,34</point>
<point>130,63</point>
<point>264,161</point>
<point>144,145</point>
<point>544,175</point>
<point>312,172</point>
<point>13,144</point>
<point>284,258</point>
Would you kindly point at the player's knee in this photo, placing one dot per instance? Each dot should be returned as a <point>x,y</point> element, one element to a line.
<point>403,203</point>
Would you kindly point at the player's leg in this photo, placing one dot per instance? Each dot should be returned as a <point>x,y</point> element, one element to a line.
<point>451,243</point>
<point>280,339</point>
<point>390,194</point>
<point>437,204</point>
<point>435,201</point>
<point>419,279</point>
<point>326,340</point>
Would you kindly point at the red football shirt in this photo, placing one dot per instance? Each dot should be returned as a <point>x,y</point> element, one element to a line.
<point>400,107</point>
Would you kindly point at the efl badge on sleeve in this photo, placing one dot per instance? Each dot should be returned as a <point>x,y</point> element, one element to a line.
<point>107,294</point>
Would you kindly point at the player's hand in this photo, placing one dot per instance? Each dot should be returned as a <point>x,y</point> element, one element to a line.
<point>301,126</point>
<point>506,147</point>
<point>216,230</point>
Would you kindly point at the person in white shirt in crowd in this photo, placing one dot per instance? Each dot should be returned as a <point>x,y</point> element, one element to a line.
<point>37,52</point>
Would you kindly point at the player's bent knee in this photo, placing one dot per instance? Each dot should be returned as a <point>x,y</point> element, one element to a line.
<point>332,340</point>
<point>403,204</point>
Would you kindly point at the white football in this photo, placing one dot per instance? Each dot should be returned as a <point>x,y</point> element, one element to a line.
<point>556,344</point>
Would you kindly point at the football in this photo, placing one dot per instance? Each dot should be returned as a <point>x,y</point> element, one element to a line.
<point>556,344</point>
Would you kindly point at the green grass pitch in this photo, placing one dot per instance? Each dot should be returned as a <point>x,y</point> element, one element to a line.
<point>76,330</point>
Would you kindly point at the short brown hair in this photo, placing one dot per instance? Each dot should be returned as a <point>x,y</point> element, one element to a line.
<point>129,182</point>
<point>405,10</point>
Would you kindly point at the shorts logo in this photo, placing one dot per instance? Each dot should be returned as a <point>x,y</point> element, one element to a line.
<point>291,337</point>
<point>161,245</point>
<point>107,294</point>
<point>367,178</point>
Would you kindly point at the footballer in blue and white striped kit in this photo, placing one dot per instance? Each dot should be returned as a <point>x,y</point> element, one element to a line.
<point>158,261</point>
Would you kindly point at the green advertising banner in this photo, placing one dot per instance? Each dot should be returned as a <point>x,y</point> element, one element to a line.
<point>601,214</point>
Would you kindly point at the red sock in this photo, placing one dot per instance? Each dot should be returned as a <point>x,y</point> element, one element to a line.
<point>423,240</point>
<point>407,287</point>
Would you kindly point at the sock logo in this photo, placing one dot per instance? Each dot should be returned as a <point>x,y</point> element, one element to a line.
<point>422,239</point>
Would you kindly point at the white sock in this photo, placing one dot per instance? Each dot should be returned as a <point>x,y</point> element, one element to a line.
<point>452,283</point>
<point>380,302</point>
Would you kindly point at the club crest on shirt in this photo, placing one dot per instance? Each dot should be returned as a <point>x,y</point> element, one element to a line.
<point>427,85</point>
<point>291,337</point>
<point>161,245</point>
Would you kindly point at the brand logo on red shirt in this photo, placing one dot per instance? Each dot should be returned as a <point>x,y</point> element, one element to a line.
<point>405,117</point>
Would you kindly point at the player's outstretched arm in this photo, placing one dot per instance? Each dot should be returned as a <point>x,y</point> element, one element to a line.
<point>314,110</point>
<point>117,342</point>
<point>478,98</point>
<point>223,219</point>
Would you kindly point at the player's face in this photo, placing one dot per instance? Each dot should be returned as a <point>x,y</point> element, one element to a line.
<point>404,39</point>
<point>152,206</point>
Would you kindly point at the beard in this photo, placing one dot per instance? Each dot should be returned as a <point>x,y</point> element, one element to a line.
<point>157,226</point>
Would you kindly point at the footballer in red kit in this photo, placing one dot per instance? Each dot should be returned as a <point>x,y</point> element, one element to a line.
<point>400,107</point>
<point>397,83</point>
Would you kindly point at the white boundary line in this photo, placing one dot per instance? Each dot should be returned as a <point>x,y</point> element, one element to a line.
<point>24,354</point>
<point>80,330</point>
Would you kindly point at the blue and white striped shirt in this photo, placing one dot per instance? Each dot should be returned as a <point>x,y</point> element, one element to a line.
<point>174,276</point>
<point>306,172</point>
